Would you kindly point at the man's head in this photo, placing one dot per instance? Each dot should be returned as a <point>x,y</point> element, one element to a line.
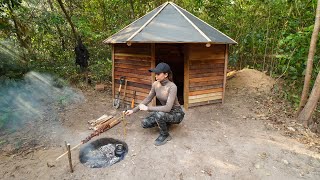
<point>162,71</point>
<point>161,68</point>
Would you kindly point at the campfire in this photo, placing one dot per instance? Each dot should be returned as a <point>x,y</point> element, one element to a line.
<point>103,152</point>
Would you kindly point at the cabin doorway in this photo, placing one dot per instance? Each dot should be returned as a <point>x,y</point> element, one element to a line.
<point>173,54</point>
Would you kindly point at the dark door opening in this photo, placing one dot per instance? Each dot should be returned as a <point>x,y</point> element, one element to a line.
<point>173,54</point>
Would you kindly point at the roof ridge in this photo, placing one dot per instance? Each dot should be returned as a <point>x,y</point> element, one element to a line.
<point>199,30</point>
<point>207,24</point>
<point>145,24</point>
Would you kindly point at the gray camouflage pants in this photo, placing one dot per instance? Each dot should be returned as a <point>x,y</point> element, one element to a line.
<point>163,119</point>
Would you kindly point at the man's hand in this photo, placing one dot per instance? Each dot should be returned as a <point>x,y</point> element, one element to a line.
<point>128,112</point>
<point>143,107</point>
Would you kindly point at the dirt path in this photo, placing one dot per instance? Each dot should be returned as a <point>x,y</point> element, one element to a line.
<point>237,140</point>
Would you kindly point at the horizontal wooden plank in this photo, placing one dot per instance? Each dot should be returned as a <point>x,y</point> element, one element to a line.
<point>199,88</point>
<point>133,74</point>
<point>203,71</point>
<point>137,48</point>
<point>207,61</point>
<point>201,96</point>
<point>206,74</point>
<point>136,80</point>
<point>126,70</point>
<point>141,87</point>
<point>203,52</point>
<point>133,61</point>
<point>205,103</point>
<point>203,79</point>
<point>206,66</point>
<point>130,57</point>
<point>205,83</point>
<point>206,91</point>
<point>129,66</point>
<point>205,99</point>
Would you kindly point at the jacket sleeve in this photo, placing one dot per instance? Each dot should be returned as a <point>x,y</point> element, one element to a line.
<point>148,99</point>
<point>171,98</point>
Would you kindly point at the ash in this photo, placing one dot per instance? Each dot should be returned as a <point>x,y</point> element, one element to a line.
<point>101,157</point>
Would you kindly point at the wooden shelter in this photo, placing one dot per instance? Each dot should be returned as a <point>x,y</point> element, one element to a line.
<point>196,52</point>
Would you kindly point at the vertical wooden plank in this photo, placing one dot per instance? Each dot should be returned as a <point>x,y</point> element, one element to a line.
<point>153,65</point>
<point>112,58</point>
<point>225,71</point>
<point>186,76</point>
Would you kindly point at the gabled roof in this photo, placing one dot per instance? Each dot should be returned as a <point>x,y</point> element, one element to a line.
<point>169,23</point>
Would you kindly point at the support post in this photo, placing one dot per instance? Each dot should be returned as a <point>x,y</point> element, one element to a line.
<point>69,157</point>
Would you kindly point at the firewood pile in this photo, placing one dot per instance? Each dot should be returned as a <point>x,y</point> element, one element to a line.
<point>102,124</point>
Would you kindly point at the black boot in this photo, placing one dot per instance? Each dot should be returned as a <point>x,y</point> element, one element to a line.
<point>162,139</point>
<point>164,134</point>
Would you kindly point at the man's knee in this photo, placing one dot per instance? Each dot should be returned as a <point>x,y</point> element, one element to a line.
<point>147,123</point>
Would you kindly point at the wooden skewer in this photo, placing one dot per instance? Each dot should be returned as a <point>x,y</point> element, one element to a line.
<point>67,151</point>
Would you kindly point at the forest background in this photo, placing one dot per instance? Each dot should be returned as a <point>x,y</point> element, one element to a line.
<point>273,36</point>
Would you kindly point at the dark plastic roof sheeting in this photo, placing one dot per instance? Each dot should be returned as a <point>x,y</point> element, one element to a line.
<point>169,26</point>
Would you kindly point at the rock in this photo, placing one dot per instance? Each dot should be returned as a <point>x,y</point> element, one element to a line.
<point>291,129</point>
<point>285,161</point>
<point>257,166</point>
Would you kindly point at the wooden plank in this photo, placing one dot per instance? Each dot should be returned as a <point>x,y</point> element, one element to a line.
<point>125,70</point>
<point>130,57</point>
<point>206,74</point>
<point>225,72</point>
<point>205,99</point>
<point>202,96</point>
<point>203,71</point>
<point>137,48</point>
<point>202,52</point>
<point>133,62</point>
<point>206,61</point>
<point>135,80</point>
<point>205,103</point>
<point>199,88</point>
<point>139,68</point>
<point>206,66</point>
<point>205,83</point>
<point>129,74</point>
<point>146,87</point>
<point>186,77</point>
<point>206,91</point>
<point>203,79</point>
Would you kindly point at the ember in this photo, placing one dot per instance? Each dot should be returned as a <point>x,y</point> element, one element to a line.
<point>102,153</point>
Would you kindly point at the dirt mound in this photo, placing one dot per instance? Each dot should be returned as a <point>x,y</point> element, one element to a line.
<point>251,80</point>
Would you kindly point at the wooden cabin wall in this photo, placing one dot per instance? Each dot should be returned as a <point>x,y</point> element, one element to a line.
<point>133,62</point>
<point>206,74</point>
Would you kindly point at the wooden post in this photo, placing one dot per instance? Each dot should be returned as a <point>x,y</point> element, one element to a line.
<point>225,72</point>
<point>186,77</point>
<point>69,157</point>
<point>153,65</point>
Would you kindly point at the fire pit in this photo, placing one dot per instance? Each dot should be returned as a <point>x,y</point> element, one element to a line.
<point>103,152</point>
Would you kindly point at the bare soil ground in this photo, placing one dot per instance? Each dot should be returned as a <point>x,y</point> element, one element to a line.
<point>251,136</point>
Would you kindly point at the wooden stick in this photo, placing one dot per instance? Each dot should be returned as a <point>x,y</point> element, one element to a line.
<point>67,151</point>
<point>124,123</point>
<point>69,157</point>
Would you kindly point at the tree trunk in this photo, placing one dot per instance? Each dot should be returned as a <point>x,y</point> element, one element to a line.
<point>69,20</point>
<point>305,115</point>
<point>132,8</point>
<point>58,28</point>
<point>312,51</point>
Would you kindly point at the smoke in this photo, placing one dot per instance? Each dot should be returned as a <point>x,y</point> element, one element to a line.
<point>30,105</point>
